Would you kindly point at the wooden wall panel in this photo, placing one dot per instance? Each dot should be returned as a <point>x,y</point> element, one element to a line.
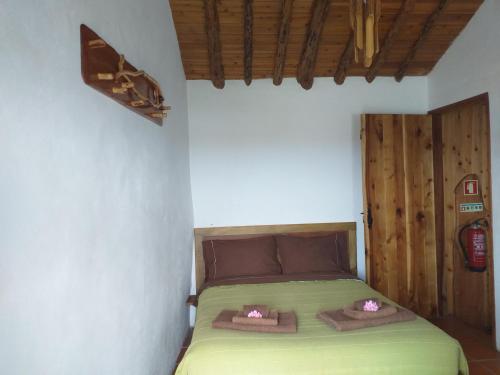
<point>437,139</point>
<point>399,191</point>
<point>420,223</point>
<point>466,150</point>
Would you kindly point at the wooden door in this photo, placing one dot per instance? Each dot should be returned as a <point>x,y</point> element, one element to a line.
<point>465,147</point>
<point>399,209</point>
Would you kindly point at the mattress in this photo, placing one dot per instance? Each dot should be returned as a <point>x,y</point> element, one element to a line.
<point>415,347</point>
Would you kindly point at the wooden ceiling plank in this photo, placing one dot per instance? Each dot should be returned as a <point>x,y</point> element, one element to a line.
<point>392,34</point>
<point>248,41</point>
<point>345,61</point>
<point>214,47</point>
<point>305,70</point>
<point>279,62</point>
<point>429,24</point>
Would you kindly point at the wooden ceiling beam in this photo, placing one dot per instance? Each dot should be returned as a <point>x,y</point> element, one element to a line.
<point>214,47</point>
<point>429,24</point>
<point>279,61</point>
<point>305,70</point>
<point>345,61</point>
<point>248,38</point>
<point>392,34</point>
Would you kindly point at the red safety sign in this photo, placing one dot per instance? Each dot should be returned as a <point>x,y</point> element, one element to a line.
<point>471,187</point>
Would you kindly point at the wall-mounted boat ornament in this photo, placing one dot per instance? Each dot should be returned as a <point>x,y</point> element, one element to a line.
<point>111,74</point>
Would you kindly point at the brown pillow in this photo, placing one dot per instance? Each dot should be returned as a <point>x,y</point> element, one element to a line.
<point>320,253</point>
<point>240,257</point>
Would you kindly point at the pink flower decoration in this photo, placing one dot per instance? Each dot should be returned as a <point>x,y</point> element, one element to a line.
<point>254,314</point>
<point>370,306</point>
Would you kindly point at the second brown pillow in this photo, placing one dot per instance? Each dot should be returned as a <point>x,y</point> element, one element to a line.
<point>321,253</point>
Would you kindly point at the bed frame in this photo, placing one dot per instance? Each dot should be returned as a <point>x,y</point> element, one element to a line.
<point>201,234</point>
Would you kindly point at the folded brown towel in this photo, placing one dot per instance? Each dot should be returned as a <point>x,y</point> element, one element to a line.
<point>342,322</point>
<point>358,305</point>
<point>242,318</point>
<point>287,323</point>
<point>263,309</point>
<point>384,311</point>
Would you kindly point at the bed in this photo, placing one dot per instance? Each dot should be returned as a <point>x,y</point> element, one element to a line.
<point>415,347</point>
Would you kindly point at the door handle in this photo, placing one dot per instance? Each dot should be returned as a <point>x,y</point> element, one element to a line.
<point>369,217</point>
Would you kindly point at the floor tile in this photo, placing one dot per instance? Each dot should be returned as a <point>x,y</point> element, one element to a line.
<point>493,366</point>
<point>475,350</point>
<point>477,346</point>
<point>476,368</point>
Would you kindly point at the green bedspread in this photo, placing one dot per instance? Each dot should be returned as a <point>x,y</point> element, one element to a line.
<point>416,347</point>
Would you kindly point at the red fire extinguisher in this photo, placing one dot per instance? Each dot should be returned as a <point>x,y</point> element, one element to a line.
<point>474,245</point>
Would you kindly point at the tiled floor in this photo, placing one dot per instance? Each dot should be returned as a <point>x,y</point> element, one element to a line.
<point>477,345</point>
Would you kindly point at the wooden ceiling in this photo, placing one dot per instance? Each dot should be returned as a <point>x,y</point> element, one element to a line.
<point>250,39</point>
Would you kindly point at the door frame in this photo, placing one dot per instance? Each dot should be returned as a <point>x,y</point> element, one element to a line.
<point>439,196</point>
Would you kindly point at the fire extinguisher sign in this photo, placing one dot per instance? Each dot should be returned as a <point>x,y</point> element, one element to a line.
<point>471,187</point>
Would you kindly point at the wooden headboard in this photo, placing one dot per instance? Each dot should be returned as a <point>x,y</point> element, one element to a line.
<point>201,234</point>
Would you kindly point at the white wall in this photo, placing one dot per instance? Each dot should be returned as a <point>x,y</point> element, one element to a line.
<point>95,205</point>
<point>275,155</point>
<point>471,67</point>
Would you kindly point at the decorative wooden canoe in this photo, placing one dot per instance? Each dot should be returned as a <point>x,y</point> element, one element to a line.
<point>108,72</point>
